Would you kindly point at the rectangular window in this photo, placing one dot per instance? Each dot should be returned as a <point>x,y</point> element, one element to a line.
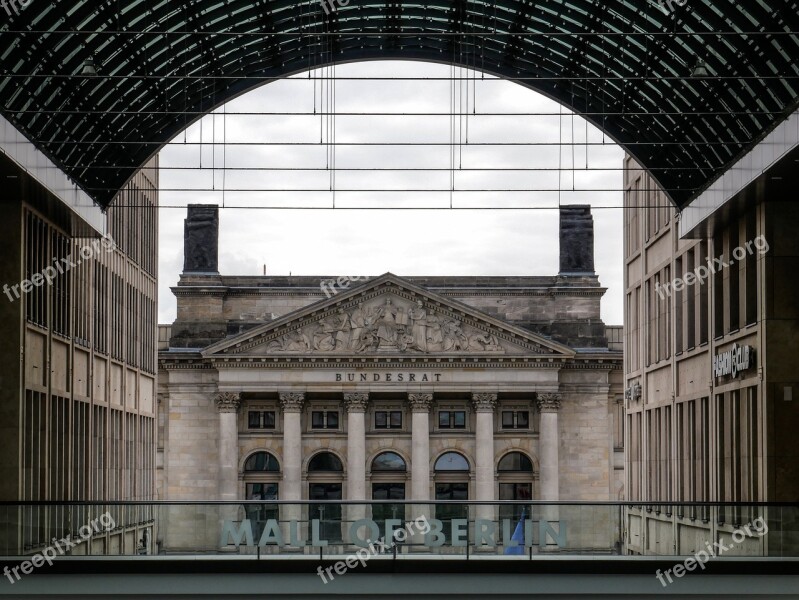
<point>452,419</point>
<point>324,419</point>
<point>257,419</point>
<point>515,419</point>
<point>388,419</point>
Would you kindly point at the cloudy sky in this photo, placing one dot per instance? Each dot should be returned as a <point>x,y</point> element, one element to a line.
<point>384,227</point>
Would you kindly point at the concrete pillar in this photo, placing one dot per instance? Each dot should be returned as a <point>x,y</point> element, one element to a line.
<point>227,404</point>
<point>548,442</point>
<point>484,405</point>
<point>291,486</point>
<point>356,453</point>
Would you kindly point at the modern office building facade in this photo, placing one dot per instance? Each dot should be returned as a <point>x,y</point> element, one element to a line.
<point>711,326</point>
<point>388,388</point>
<point>78,317</point>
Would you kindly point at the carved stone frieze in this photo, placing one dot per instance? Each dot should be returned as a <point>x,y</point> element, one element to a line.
<point>387,323</point>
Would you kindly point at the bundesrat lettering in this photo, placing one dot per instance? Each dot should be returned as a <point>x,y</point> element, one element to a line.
<point>240,533</point>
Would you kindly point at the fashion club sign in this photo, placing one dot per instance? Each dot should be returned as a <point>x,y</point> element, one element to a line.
<point>733,362</point>
<point>432,534</point>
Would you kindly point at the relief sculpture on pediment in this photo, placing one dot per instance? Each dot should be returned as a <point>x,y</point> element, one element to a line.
<point>387,325</point>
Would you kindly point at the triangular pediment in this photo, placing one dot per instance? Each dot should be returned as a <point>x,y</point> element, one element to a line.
<point>387,316</point>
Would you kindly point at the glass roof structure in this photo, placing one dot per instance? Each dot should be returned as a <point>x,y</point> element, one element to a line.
<point>684,89</point>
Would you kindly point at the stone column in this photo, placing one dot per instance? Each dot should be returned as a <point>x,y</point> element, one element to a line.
<point>420,445</point>
<point>356,453</point>
<point>484,405</point>
<point>548,441</point>
<point>420,461</point>
<point>291,486</point>
<point>227,404</point>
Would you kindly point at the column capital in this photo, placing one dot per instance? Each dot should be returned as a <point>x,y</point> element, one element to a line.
<point>356,401</point>
<point>548,402</point>
<point>227,402</point>
<point>292,401</point>
<point>420,402</point>
<point>484,402</point>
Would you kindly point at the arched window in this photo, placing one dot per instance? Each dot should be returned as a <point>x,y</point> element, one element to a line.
<point>389,461</point>
<point>451,461</point>
<point>261,481</point>
<point>325,473</point>
<point>515,461</point>
<point>325,461</point>
<point>515,471</point>
<point>452,483</point>
<point>261,462</point>
<point>389,472</point>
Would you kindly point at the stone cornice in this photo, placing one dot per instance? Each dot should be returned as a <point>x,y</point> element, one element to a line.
<point>227,402</point>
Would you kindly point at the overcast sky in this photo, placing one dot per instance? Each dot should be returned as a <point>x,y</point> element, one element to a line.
<point>405,242</point>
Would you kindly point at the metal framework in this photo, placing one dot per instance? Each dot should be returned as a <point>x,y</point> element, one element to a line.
<point>684,89</point>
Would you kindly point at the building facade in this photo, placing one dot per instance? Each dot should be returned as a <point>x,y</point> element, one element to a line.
<point>78,317</point>
<point>390,388</point>
<point>711,326</point>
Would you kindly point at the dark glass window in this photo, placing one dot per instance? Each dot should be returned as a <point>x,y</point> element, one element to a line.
<point>261,419</point>
<point>515,461</point>
<point>387,491</point>
<point>452,419</point>
<point>262,461</point>
<point>452,461</point>
<point>324,419</point>
<point>388,461</point>
<point>515,419</point>
<point>329,515</point>
<point>325,461</point>
<point>385,419</point>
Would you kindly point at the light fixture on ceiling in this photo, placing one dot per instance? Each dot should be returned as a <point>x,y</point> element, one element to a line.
<point>700,70</point>
<point>89,69</point>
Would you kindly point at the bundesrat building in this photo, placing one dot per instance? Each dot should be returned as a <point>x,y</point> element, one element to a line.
<point>387,388</point>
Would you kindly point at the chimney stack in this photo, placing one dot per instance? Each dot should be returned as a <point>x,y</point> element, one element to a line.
<point>201,239</point>
<point>576,240</point>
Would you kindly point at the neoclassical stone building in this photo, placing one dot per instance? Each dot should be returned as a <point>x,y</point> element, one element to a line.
<point>419,388</point>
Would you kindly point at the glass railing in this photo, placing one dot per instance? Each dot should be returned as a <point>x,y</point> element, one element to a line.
<point>397,529</point>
